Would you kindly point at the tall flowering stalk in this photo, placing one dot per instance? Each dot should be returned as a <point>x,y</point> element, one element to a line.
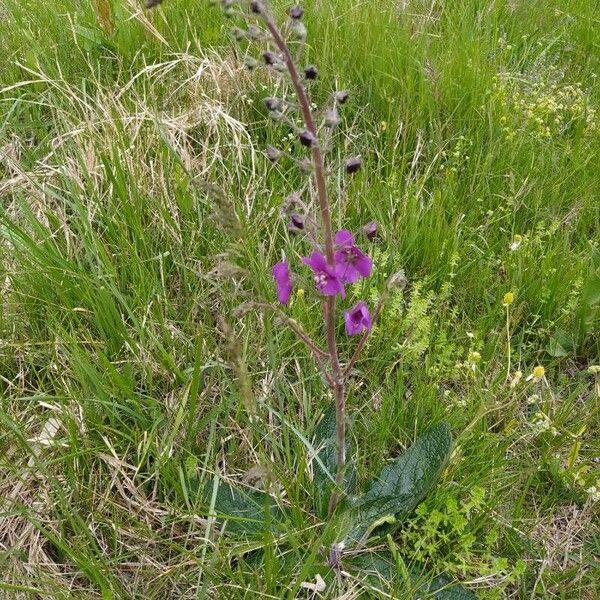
<point>336,261</point>
<point>342,262</point>
<point>339,261</point>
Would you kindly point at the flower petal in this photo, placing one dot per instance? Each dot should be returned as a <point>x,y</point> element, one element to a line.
<point>283,281</point>
<point>344,238</point>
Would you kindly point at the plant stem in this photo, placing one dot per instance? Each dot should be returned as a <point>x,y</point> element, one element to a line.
<point>339,389</point>
<point>508,342</point>
<point>307,117</point>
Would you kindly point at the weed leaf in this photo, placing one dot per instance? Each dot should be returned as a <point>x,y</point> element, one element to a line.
<point>402,484</point>
<point>247,512</point>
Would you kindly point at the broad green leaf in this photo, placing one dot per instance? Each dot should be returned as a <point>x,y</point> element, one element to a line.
<point>402,484</point>
<point>325,444</point>
<point>247,512</point>
<point>381,568</point>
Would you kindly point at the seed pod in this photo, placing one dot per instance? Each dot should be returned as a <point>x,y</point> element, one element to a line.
<point>311,72</point>
<point>341,96</point>
<point>306,138</point>
<point>257,7</point>
<point>153,3</point>
<point>353,165</point>
<point>332,118</point>
<point>272,103</point>
<point>269,57</point>
<point>273,154</point>
<point>296,12</point>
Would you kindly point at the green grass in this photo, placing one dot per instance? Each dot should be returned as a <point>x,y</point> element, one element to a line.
<point>126,378</point>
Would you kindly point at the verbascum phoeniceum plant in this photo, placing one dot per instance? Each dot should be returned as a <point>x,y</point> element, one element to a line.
<point>336,260</point>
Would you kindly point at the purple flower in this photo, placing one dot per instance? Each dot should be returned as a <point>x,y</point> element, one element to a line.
<point>327,280</point>
<point>358,319</point>
<point>351,262</point>
<point>283,281</point>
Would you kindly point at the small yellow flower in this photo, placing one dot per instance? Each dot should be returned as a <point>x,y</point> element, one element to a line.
<point>594,369</point>
<point>537,374</point>
<point>383,125</point>
<point>508,299</point>
<point>300,293</point>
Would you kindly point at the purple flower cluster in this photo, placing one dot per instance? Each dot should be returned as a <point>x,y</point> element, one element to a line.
<point>349,266</point>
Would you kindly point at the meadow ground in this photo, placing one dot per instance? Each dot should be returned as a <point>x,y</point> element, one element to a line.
<point>121,357</point>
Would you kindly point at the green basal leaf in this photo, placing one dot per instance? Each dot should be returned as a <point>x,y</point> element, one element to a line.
<point>325,445</point>
<point>561,344</point>
<point>380,569</point>
<point>247,512</point>
<point>401,485</point>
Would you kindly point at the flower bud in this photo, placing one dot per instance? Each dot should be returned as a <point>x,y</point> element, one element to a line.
<point>296,12</point>
<point>273,154</point>
<point>153,3</point>
<point>370,230</point>
<point>353,165</point>
<point>306,138</point>
<point>272,103</point>
<point>257,7</point>
<point>341,96</point>
<point>296,224</point>
<point>332,118</point>
<point>311,72</point>
<point>269,57</point>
